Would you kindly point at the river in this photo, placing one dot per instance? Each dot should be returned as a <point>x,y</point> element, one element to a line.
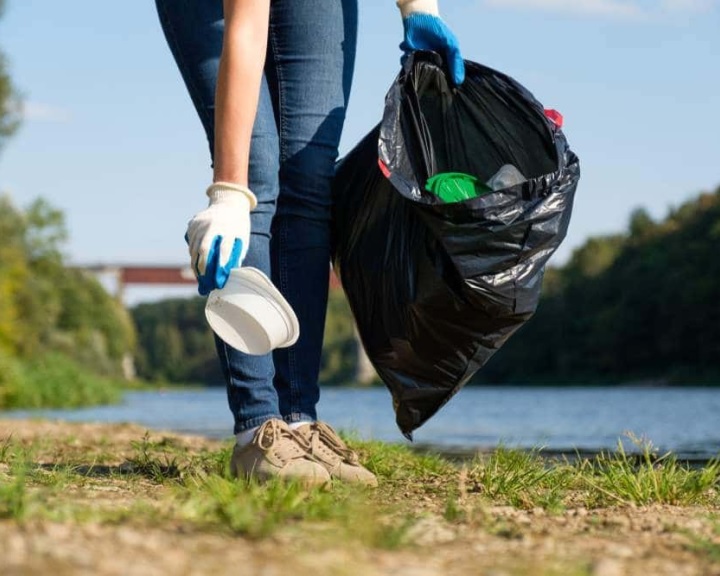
<point>685,421</point>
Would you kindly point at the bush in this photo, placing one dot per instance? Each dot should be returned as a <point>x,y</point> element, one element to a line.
<point>48,306</point>
<point>52,381</point>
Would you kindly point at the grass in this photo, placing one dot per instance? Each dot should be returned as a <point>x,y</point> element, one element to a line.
<point>164,481</point>
<point>522,479</point>
<point>518,511</point>
<point>13,496</point>
<point>53,381</point>
<point>707,546</point>
<point>647,478</point>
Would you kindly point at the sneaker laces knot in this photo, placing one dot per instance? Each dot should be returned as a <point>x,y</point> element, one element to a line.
<point>279,439</point>
<point>326,435</point>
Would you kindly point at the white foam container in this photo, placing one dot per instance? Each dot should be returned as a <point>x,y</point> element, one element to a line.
<point>250,314</point>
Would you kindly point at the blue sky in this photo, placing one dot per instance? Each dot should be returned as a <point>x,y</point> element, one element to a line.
<point>110,136</point>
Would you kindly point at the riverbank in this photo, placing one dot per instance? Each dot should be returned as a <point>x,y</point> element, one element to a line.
<point>117,499</point>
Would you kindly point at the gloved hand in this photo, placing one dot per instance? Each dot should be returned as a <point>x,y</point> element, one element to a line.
<point>425,30</point>
<point>218,237</point>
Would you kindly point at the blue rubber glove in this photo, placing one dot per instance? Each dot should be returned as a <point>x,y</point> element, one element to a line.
<point>218,237</point>
<point>429,32</point>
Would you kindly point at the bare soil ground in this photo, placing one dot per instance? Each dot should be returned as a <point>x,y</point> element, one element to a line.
<point>623,541</point>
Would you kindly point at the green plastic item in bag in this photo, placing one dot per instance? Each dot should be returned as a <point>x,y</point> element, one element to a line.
<point>455,186</point>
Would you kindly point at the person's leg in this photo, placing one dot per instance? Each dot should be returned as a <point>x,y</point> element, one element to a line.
<point>311,55</point>
<point>194,32</point>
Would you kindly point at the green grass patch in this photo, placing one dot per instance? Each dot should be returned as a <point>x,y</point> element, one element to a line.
<point>154,461</point>
<point>202,492</point>
<point>53,381</point>
<point>161,481</point>
<point>646,477</point>
<point>13,495</point>
<point>522,479</point>
<point>258,511</point>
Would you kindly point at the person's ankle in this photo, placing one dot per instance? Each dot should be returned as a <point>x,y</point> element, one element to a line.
<point>296,425</point>
<point>244,437</point>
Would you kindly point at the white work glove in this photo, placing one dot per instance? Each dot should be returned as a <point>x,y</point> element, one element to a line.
<point>218,237</point>
<point>407,7</point>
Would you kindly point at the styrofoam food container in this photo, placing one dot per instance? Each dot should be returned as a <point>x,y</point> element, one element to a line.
<point>250,314</point>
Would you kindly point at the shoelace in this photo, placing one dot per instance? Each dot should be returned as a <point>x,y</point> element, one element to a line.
<point>271,436</point>
<point>329,438</point>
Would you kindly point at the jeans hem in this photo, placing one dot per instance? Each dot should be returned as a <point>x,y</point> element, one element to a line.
<point>298,417</point>
<point>254,423</point>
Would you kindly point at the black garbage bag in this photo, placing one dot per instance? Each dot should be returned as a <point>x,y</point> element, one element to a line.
<point>436,288</point>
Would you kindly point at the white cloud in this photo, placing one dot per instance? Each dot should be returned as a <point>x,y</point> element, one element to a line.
<point>39,112</point>
<point>624,9</point>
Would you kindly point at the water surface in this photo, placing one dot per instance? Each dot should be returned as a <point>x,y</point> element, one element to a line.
<point>681,420</point>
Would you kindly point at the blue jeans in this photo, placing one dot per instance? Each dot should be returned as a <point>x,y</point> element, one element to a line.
<point>304,95</point>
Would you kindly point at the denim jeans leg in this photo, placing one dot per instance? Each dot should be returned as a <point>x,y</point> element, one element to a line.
<point>251,392</point>
<point>194,32</point>
<point>309,67</point>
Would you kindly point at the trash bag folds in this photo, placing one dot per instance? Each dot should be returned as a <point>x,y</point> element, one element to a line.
<point>444,217</point>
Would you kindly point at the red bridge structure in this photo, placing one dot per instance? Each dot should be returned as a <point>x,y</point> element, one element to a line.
<point>127,274</point>
<point>123,275</point>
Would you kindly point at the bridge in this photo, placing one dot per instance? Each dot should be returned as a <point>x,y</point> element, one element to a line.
<point>123,275</point>
<point>135,274</point>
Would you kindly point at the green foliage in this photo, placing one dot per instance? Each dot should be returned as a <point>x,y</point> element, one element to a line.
<point>258,510</point>
<point>146,463</point>
<point>522,479</point>
<point>641,224</point>
<point>628,307</point>
<point>9,101</point>
<point>399,464</point>
<point>62,336</point>
<point>52,380</point>
<point>12,378</point>
<point>51,306</point>
<point>646,478</point>
<point>180,484</point>
<point>175,343</point>
<point>91,326</point>
<point>13,498</point>
<point>46,307</point>
<point>634,306</point>
<point>339,361</point>
<point>199,490</point>
<point>14,273</point>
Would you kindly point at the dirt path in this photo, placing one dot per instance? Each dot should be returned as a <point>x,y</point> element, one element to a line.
<point>652,541</point>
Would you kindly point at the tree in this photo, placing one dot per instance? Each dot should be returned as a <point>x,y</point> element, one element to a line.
<point>641,224</point>
<point>46,306</point>
<point>14,273</point>
<point>641,305</point>
<point>175,343</point>
<point>9,100</point>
